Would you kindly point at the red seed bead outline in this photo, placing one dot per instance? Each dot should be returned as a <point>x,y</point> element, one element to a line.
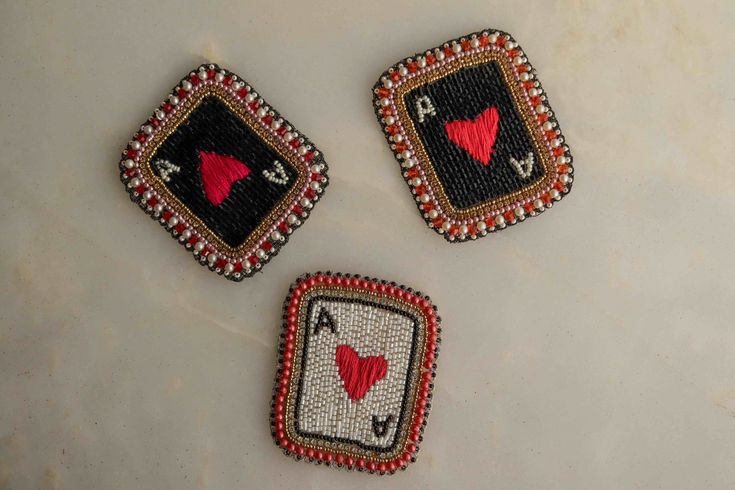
<point>540,201</point>
<point>423,388</point>
<point>233,267</point>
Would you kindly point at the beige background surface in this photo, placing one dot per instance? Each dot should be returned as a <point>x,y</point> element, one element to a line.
<point>589,348</point>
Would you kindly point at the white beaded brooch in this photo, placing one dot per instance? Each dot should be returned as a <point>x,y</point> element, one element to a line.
<point>356,371</point>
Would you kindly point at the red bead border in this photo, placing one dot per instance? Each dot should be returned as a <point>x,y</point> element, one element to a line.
<point>455,229</point>
<point>147,196</point>
<point>423,388</point>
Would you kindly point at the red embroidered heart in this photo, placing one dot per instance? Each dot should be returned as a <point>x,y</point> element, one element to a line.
<point>219,172</point>
<point>359,374</point>
<point>476,136</point>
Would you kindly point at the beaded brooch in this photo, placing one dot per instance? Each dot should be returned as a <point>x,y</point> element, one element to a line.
<point>223,172</point>
<point>356,369</point>
<point>475,136</point>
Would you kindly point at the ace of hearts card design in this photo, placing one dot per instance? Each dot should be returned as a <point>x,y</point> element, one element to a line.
<point>476,138</point>
<point>356,372</point>
<point>227,176</point>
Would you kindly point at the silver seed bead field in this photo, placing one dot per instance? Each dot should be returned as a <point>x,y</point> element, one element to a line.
<point>325,406</point>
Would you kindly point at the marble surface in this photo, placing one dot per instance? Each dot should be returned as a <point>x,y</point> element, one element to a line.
<point>589,348</point>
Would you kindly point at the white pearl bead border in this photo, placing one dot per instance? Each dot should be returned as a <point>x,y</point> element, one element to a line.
<point>233,267</point>
<point>495,219</point>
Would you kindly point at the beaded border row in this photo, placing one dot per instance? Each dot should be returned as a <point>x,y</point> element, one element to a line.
<point>147,193</point>
<point>284,383</point>
<point>414,170</point>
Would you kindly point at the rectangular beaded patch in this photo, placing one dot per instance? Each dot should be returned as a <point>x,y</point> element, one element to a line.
<point>471,126</point>
<point>356,370</point>
<point>223,172</point>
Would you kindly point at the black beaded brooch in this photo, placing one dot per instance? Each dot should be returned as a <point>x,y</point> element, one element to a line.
<point>356,369</point>
<point>223,172</point>
<point>478,143</point>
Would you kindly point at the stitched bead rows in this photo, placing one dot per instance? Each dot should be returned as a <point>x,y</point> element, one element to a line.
<point>301,342</point>
<point>415,169</point>
<point>234,266</point>
<point>371,331</point>
<point>331,451</point>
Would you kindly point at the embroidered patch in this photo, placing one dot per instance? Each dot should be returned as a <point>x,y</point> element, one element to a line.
<point>477,141</point>
<point>356,369</point>
<point>223,172</point>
